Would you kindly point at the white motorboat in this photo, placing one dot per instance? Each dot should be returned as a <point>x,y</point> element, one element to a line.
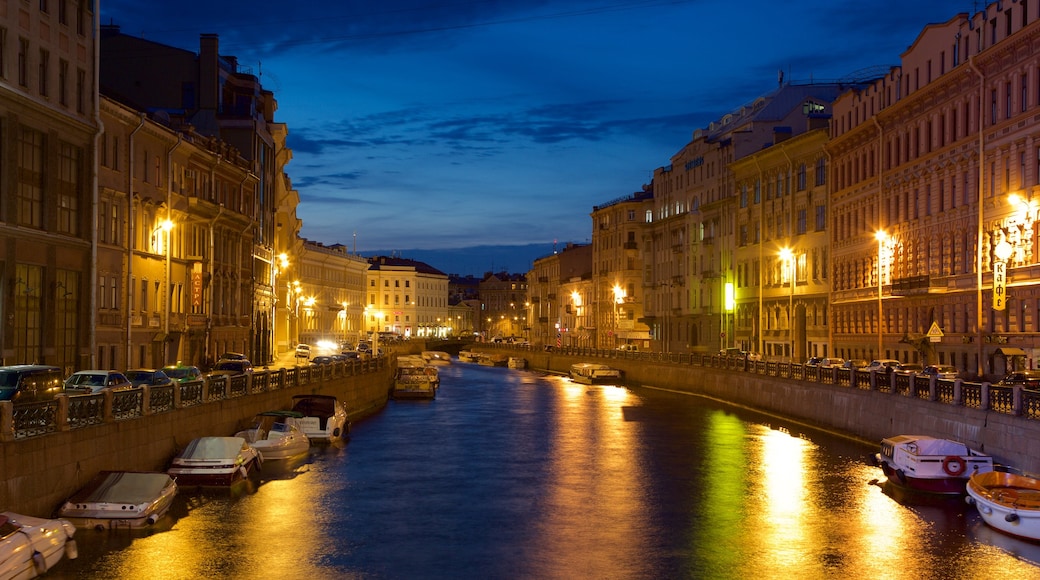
<point>415,383</point>
<point>489,359</point>
<point>469,356</point>
<point>595,373</point>
<point>115,499</point>
<point>1007,502</point>
<point>276,436</point>
<point>214,462</point>
<point>928,464</point>
<point>324,417</point>
<point>436,357</point>
<point>516,362</point>
<point>29,546</point>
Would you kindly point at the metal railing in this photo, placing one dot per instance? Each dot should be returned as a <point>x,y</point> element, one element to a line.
<point>67,412</point>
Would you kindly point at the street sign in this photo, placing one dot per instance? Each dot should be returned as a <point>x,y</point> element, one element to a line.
<point>935,333</point>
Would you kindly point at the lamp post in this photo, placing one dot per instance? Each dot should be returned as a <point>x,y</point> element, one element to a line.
<point>881,237</point>
<point>165,226</point>
<point>787,255</point>
<point>619,297</point>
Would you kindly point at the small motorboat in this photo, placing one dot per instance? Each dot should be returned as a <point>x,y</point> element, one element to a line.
<point>595,374</point>
<point>469,356</point>
<point>276,435</point>
<point>410,360</point>
<point>324,418</point>
<point>214,462</point>
<point>115,499</point>
<point>415,383</point>
<point>493,360</point>
<point>1008,502</point>
<point>929,464</point>
<point>517,362</point>
<point>29,546</point>
<point>436,357</point>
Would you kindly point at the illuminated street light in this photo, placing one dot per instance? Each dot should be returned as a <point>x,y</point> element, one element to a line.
<point>881,237</point>
<point>787,255</point>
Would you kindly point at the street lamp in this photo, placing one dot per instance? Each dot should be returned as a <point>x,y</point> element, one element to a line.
<point>163,243</point>
<point>787,255</point>
<point>619,297</point>
<point>881,237</point>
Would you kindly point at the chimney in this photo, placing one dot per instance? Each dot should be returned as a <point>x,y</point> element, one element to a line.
<point>209,71</point>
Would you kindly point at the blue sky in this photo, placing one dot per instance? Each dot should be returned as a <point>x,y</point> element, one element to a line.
<point>447,124</point>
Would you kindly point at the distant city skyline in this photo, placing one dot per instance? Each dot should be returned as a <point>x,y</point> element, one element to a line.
<point>444,126</point>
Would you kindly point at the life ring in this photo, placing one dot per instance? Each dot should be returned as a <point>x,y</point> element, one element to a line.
<point>954,465</point>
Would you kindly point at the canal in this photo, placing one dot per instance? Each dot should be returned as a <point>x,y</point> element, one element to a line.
<point>513,474</point>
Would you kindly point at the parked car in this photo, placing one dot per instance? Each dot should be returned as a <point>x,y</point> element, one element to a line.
<point>27,383</point>
<point>183,373</point>
<point>854,364</point>
<point>941,371</point>
<point>909,369</point>
<point>831,362</point>
<point>350,355</point>
<point>232,368</point>
<point>303,351</point>
<point>322,360</point>
<point>1028,379</point>
<point>884,365</point>
<point>814,361</point>
<point>150,377</point>
<point>233,356</point>
<point>95,381</point>
<point>628,348</point>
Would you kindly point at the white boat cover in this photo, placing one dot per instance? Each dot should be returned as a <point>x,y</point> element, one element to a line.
<point>213,448</point>
<point>122,487</point>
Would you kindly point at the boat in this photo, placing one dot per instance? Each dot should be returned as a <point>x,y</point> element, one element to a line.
<point>410,360</point>
<point>1008,502</point>
<point>468,356</point>
<point>30,546</point>
<point>929,464</point>
<point>324,418</point>
<point>493,360</point>
<point>436,357</point>
<point>276,435</point>
<point>415,383</point>
<point>113,499</point>
<point>595,373</point>
<point>214,462</point>
<point>517,362</point>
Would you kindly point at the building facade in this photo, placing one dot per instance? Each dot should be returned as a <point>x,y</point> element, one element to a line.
<point>407,298</point>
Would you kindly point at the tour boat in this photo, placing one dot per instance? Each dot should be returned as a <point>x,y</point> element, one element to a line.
<point>276,436</point>
<point>1007,502</point>
<point>436,357</point>
<point>214,462</point>
<point>29,546</point>
<point>929,464</point>
<point>115,499</point>
<point>324,418</point>
<point>517,362</point>
<point>415,383</point>
<point>595,373</point>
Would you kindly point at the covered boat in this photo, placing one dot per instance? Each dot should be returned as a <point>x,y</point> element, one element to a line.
<point>214,462</point>
<point>595,373</point>
<point>469,356</point>
<point>29,546</point>
<point>517,362</point>
<point>928,464</point>
<point>324,418</point>
<point>276,436</point>
<point>1007,502</point>
<point>436,357</point>
<point>114,499</point>
<point>491,359</point>
<point>415,383</point>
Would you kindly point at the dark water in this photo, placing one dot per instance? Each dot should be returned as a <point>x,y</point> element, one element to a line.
<point>510,474</point>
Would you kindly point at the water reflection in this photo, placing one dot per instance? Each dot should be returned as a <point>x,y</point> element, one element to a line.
<point>509,474</point>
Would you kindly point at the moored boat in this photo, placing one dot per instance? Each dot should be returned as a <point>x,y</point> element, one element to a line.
<point>929,464</point>
<point>516,362</point>
<point>468,356</point>
<point>276,436</point>
<point>595,373</point>
<point>490,359</point>
<point>324,417</point>
<point>214,462</point>
<point>415,383</point>
<point>30,546</point>
<point>1008,502</point>
<point>114,499</point>
<point>436,357</point>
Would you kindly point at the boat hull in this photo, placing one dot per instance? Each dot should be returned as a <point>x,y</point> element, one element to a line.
<point>214,462</point>
<point>121,500</point>
<point>36,547</point>
<point>930,465</point>
<point>1007,502</point>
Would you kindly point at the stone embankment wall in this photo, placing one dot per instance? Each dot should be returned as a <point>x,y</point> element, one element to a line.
<point>38,473</point>
<point>860,414</point>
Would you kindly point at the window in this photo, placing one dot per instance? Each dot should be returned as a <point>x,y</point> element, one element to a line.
<point>29,203</point>
<point>821,171</point>
<point>28,312</point>
<point>81,92</point>
<point>821,217</point>
<point>45,61</point>
<point>23,62</point>
<point>63,82</point>
<point>68,189</point>
<point>801,177</point>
